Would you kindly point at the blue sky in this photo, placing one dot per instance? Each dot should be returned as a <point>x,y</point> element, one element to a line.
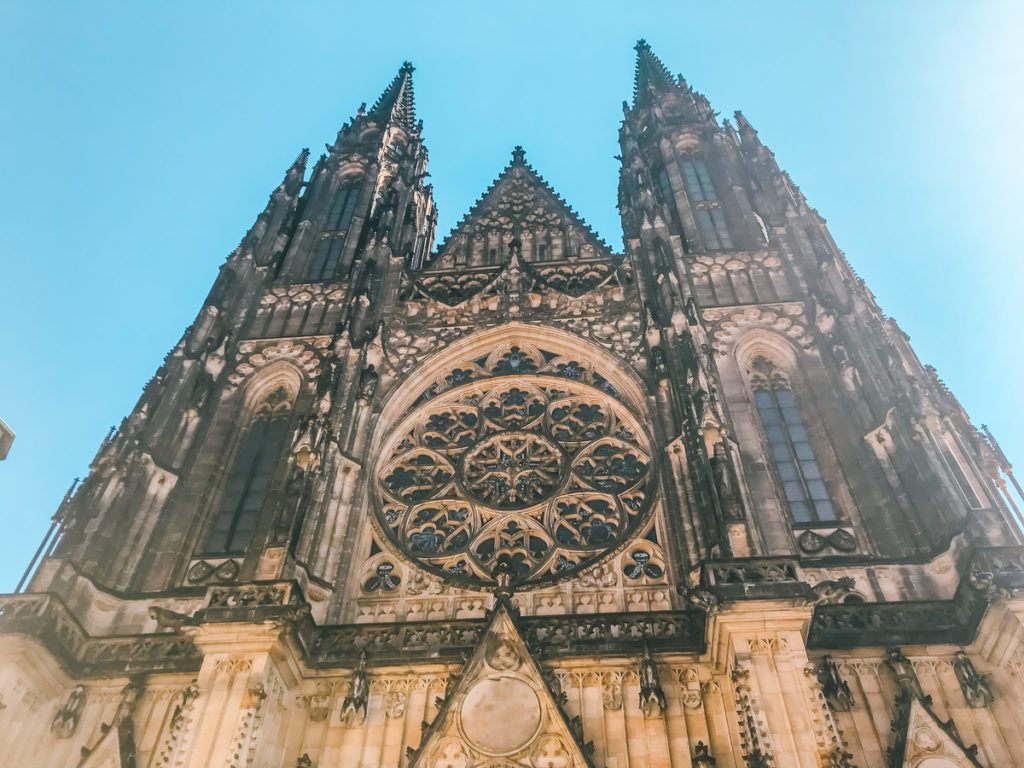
<point>138,141</point>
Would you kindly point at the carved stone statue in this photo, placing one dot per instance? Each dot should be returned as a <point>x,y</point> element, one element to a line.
<point>906,677</point>
<point>831,591</point>
<point>976,688</point>
<point>304,762</point>
<point>353,708</point>
<point>65,722</point>
<point>652,698</point>
<point>834,688</point>
<point>702,756</point>
<point>167,619</point>
<point>704,599</point>
<point>368,380</point>
<point>130,695</point>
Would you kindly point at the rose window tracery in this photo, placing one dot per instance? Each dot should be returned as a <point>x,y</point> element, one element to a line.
<point>539,467</point>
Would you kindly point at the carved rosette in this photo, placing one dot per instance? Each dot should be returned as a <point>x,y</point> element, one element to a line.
<point>555,473</point>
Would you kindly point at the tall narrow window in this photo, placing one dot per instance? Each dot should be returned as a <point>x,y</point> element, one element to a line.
<point>324,264</point>
<point>342,208</point>
<point>959,476</point>
<point>698,180</point>
<point>713,228</point>
<point>247,483</point>
<point>791,451</point>
<point>665,186</point>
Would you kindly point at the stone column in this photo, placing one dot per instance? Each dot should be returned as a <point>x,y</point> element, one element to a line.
<point>760,644</point>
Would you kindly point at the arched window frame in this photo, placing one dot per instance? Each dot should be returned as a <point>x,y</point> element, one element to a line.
<point>793,452</point>
<point>269,401</point>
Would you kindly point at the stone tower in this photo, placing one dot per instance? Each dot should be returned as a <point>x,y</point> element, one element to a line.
<point>523,500</point>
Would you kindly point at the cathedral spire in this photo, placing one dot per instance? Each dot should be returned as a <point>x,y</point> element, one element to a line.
<point>395,105</point>
<point>651,73</point>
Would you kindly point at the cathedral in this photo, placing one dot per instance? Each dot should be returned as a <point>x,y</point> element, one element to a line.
<point>516,498</point>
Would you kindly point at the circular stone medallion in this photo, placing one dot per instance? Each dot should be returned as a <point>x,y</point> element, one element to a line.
<point>500,715</point>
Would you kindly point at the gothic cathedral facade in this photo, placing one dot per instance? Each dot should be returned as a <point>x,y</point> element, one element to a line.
<point>518,500</point>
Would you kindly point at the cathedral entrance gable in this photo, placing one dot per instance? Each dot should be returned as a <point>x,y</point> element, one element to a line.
<point>500,711</point>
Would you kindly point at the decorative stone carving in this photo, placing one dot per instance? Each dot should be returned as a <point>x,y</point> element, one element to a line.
<point>903,669</point>
<point>353,708</point>
<point>553,473</point>
<point>652,698</point>
<point>702,756</point>
<point>831,591</point>
<point>65,722</point>
<point>833,687</point>
<point>305,356</point>
<point>976,688</point>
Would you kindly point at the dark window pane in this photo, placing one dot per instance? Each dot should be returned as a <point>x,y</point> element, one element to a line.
<point>785,398</point>
<point>780,453</point>
<point>797,433</point>
<point>246,486</point>
<point>787,470</point>
<point>775,433</point>
<point>803,451</point>
<point>825,510</point>
<point>801,511</point>
<point>817,490</point>
<point>794,491</point>
<point>810,470</point>
<point>791,415</point>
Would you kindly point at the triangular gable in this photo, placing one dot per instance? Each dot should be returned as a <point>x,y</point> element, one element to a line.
<point>925,741</point>
<point>519,205</point>
<point>500,711</point>
<point>115,749</point>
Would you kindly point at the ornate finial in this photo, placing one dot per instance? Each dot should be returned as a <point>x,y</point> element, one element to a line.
<point>641,45</point>
<point>518,155</point>
<point>407,68</point>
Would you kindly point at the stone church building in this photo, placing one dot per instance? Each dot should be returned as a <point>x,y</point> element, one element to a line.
<point>522,500</point>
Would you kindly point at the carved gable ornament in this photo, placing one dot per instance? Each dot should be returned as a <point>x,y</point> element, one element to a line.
<point>500,712</point>
<point>925,741</point>
<point>519,237</point>
<point>116,748</point>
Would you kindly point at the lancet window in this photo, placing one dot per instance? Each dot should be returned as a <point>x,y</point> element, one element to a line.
<point>708,211</point>
<point>249,478</point>
<point>789,444</point>
<point>324,264</point>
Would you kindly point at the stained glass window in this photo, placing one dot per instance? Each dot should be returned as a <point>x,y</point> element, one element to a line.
<point>790,447</point>
<point>246,486</point>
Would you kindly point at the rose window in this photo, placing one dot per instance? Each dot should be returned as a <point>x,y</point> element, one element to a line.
<point>549,474</point>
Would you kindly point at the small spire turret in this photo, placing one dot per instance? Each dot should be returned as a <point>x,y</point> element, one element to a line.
<point>651,73</point>
<point>396,105</point>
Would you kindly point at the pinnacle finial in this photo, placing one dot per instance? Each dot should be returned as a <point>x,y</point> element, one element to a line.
<point>651,73</point>
<point>518,155</point>
<point>396,103</point>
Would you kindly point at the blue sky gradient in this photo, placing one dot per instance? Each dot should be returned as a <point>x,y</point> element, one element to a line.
<point>138,141</point>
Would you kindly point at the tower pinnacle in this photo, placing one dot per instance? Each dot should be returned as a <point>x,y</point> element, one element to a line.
<point>651,73</point>
<point>395,105</point>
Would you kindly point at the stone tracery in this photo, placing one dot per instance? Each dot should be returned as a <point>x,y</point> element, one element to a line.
<point>547,468</point>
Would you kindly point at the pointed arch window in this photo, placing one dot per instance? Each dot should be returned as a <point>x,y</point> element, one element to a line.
<point>790,447</point>
<point>249,478</point>
<point>698,180</point>
<point>342,208</point>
